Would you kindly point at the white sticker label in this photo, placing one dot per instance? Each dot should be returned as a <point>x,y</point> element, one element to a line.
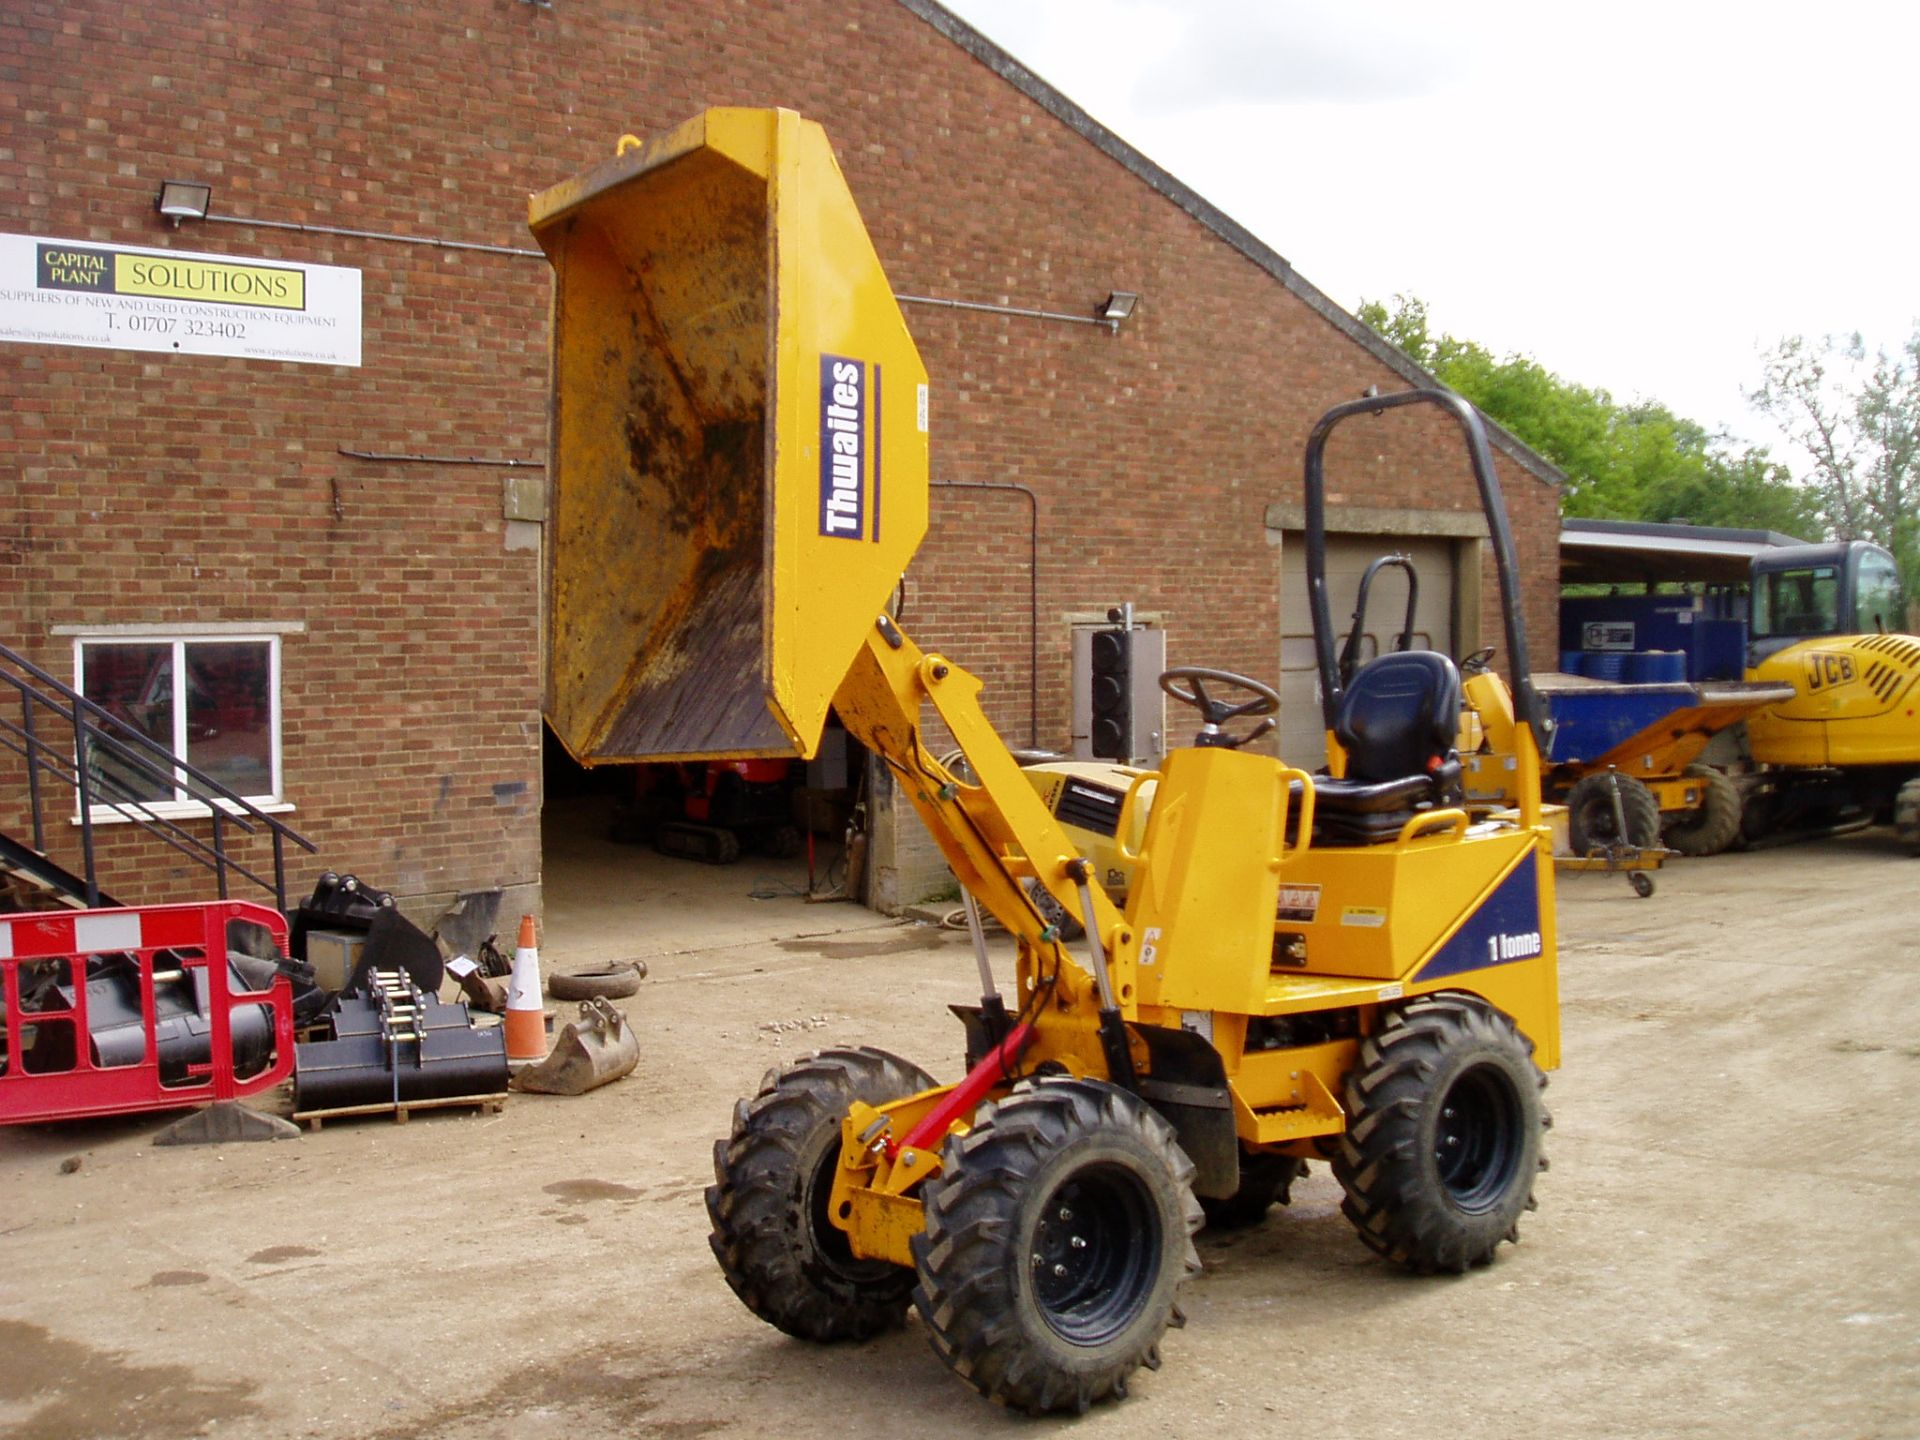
<point>1150,945</point>
<point>1606,635</point>
<point>1299,903</point>
<point>1523,946</point>
<point>95,933</point>
<point>1370,917</point>
<point>921,409</point>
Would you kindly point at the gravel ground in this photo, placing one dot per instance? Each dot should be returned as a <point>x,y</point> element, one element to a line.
<point>1725,1245</point>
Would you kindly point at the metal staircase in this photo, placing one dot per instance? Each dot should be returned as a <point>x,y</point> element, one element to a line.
<point>61,740</point>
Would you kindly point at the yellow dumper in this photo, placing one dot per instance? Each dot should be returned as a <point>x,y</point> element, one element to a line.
<point>1348,970</point>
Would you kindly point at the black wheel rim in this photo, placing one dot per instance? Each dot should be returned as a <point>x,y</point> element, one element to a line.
<point>1596,819</point>
<point>1095,1254</point>
<point>831,1247</point>
<point>1477,1141</point>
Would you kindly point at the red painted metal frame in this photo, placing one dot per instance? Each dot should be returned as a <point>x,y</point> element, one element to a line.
<point>89,1089</point>
<point>992,1069</point>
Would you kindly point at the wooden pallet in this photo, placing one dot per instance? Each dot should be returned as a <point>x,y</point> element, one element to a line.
<point>314,1119</point>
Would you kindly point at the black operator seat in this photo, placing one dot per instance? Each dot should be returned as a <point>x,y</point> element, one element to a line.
<point>1398,722</point>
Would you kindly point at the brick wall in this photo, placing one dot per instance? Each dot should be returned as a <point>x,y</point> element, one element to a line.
<point>144,488</point>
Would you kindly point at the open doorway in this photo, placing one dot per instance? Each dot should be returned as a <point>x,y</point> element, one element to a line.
<point>758,827</point>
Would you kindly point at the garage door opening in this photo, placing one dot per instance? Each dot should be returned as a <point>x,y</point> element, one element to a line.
<point>1437,618</point>
<point>739,831</point>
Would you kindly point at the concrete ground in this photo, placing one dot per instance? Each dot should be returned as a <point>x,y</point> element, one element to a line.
<point>1725,1246</point>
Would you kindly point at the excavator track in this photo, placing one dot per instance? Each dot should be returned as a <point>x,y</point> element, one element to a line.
<point>689,841</point>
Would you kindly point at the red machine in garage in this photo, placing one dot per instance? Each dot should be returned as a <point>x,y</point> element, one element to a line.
<point>712,810</point>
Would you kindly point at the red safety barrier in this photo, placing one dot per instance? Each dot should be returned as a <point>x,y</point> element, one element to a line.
<point>56,1065</point>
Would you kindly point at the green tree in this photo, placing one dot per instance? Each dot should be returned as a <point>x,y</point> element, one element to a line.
<point>1857,418</point>
<point>1405,325</point>
<point>1747,490</point>
<point>1622,462</point>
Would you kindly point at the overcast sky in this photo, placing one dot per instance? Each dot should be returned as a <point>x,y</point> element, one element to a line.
<point>1642,197</point>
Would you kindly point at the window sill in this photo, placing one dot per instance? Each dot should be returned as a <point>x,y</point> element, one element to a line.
<point>180,810</point>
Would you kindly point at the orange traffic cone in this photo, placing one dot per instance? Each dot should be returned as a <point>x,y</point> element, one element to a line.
<point>526,1014</point>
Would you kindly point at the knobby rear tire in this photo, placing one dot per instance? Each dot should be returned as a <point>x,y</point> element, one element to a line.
<point>1715,824</point>
<point>1444,1140</point>
<point>1266,1180</point>
<point>773,1176</point>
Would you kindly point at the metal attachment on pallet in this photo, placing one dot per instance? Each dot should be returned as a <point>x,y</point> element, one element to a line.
<point>395,1045</point>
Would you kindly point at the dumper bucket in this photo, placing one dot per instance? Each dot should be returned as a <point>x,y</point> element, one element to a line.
<point>738,472</point>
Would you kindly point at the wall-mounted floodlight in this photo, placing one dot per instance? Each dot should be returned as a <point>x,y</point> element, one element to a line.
<point>1115,308</point>
<point>183,200</point>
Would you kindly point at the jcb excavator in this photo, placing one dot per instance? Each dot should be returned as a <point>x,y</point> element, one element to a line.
<point>1822,619</point>
<point>1342,969</point>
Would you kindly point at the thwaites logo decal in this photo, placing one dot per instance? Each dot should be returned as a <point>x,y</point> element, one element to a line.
<point>849,448</point>
<point>1505,929</point>
<point>1827,668</point>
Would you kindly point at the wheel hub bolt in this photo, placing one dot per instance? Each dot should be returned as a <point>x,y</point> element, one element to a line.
<point>1060,1272</point>
<point>1065,1214</point>
<point>1077,1243</point>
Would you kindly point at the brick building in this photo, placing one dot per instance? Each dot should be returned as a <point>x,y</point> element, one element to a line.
<point>350,541</point>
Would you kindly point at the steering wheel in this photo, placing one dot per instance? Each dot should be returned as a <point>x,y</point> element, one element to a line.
<point>1479,662</point>
<point>1216,713</point>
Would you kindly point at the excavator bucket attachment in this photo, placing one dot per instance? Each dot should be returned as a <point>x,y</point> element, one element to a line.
<point>592,1051</point>
<point>739,442</point>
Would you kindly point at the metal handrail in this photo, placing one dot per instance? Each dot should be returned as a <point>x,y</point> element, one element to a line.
<point>97,731</point>
<point>130,805</point>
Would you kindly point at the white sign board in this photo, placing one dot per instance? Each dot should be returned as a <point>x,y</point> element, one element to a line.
<point>1606,635</point>
<point>123,297</point>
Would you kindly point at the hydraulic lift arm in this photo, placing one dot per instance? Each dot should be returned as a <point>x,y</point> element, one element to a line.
<point>994,833</point>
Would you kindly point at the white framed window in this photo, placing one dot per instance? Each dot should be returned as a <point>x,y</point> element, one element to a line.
<point>207,694</point>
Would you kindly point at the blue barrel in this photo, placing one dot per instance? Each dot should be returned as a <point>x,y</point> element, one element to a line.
<point>1657,667</point>
<point>1606,664</point>
<point>1571,661</point>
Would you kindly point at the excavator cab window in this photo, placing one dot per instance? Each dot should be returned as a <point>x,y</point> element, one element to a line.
<point>1876,606</point>
<point>1797,602</point>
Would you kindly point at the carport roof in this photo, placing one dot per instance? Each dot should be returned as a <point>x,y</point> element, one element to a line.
<point>1188,199</point>
<point>1634,552</point>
